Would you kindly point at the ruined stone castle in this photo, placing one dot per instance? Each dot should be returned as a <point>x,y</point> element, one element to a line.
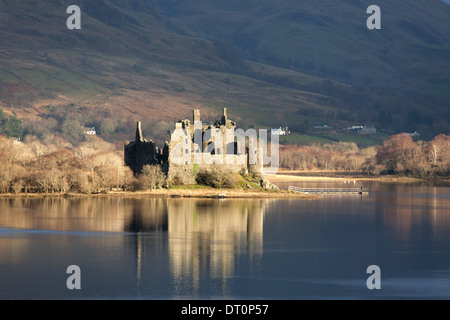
<point>196,146</point>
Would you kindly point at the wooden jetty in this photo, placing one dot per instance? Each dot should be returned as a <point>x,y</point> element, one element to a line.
<point>337,191</point>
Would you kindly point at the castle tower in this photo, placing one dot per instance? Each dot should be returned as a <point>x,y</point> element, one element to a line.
<point>196,116</point>
<point>224,117</point>
<point>139,133</point>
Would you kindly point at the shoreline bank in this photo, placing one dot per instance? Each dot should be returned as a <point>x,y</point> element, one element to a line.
<point>344,176</point>
<point>174,193</point>
<point>211,193</point>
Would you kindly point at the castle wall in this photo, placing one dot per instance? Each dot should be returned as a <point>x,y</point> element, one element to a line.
<point>186,174</point>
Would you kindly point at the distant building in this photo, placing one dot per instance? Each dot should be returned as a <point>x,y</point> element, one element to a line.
<point>414,134</point>
<point>90,131</point>
<point>281,131</point>
<point>323,126</point>
<point>368,129</point>
<point>355,128</point>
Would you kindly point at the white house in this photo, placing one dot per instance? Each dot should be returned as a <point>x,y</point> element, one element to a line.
<point>280,131</point>
<point>368,129</point>
<point>355,128</point>
<point>90,131</point>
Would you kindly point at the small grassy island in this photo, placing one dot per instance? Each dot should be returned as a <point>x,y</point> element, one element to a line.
<point>215,184</point>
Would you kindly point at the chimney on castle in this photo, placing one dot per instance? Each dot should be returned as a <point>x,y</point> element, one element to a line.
<point>139,132</point>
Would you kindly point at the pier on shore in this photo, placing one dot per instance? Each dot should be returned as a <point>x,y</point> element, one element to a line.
<point>329,190</point>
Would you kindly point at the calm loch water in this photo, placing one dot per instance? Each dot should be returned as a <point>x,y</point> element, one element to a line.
<point>232,249</point>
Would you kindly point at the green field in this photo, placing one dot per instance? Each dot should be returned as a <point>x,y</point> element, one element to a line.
<point>360,140</point>
<point>304,140</point>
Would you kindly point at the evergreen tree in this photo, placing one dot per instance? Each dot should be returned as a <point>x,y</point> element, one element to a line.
<point>13,127</point>
<point>3,120</point>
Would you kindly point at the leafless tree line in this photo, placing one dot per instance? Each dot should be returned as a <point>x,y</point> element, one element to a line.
<point>52,165</point>
<point>32,165</point>
<point>399,154</point>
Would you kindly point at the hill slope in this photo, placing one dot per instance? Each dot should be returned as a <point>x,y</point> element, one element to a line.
<point>159,59</point>
<point>329,37</point>
<point>123,59</point>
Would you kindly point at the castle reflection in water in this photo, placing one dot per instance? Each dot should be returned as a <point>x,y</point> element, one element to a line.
<point>200,235</point>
